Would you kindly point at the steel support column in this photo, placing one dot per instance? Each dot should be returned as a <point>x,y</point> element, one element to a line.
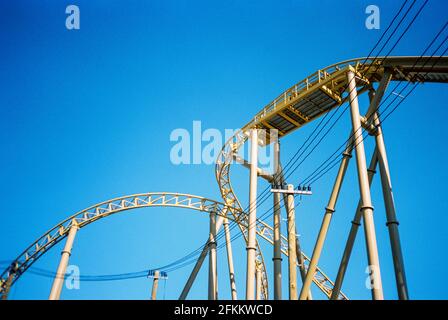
<point>212,264</point>
<point>230,259</point>
<point>277,257</point>
<point>251,228</point>
<point>58,281</point>
<point>374,104</point>
<point>199,263</point>
<point>329,210</point>
<point>367,208</point>
<point>299,257</point>
<point>258,281</point>
<point>292,250</point>
<point>392,222</point>
<point>301,262</point>
<point>155,284</point>
<point>352,235</point>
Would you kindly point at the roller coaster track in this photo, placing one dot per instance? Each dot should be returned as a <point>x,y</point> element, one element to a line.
<point>307,100</point>
<point>116,205</point>
<point>304,102</point>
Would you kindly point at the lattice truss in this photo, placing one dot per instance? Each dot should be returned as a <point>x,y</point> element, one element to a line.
<point>107,208</point>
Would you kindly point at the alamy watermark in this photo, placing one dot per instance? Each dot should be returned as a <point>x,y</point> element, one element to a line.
<point>72,278</point>
<point>373,279</point>
<point>373,18</point>
<point>73,20</point>
<point>198,146</point>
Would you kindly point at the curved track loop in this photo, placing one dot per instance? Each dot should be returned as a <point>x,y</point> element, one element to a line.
<point>223,162</point>
<point>263,229</point>
<point>307,100</point>
<point>110,207</point>
<point>102,210</point>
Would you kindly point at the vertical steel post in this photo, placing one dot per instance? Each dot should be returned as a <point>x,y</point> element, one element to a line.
<point>230,260</point>
<point>198,264</point>
<point>374,103</point>
<point>277,257</point>
<point>392,222</point>
<point>352,235</point>
<point>251,232</point>
<point>155,284</point>
<point>56,288</point>
<point>301,262</point>
<point>329,210</point>
<point>367,208</point>
<point>212,270</point>
<point>292,250</point>
<point>258,284</point>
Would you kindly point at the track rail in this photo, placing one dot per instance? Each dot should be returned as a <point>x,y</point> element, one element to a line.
<point>104,209</point>
<point>310,98</point>
<point>306,101</point>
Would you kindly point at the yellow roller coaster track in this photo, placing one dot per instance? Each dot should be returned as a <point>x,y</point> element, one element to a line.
<point>312,97</point>
<point>307,100</point>
<point>107,208</point>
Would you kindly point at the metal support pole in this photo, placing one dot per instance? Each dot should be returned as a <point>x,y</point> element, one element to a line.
<point>352,235</point>
<point>292,250</point>
<point>212,267</point>
<point>56,289</point>
<point>251,232</point>
<point>374,103</point>
<point>329,210</point>
<point>198,264</point>
<point>301,262</point>
<point>258,282</point>
<point>230,259</point>
<point>155,284</point>
<point>367,208</point>
<point>392,222</point>
<point>277,258</point>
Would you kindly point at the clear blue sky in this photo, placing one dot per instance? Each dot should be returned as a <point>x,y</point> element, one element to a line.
<point>86,116</point>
